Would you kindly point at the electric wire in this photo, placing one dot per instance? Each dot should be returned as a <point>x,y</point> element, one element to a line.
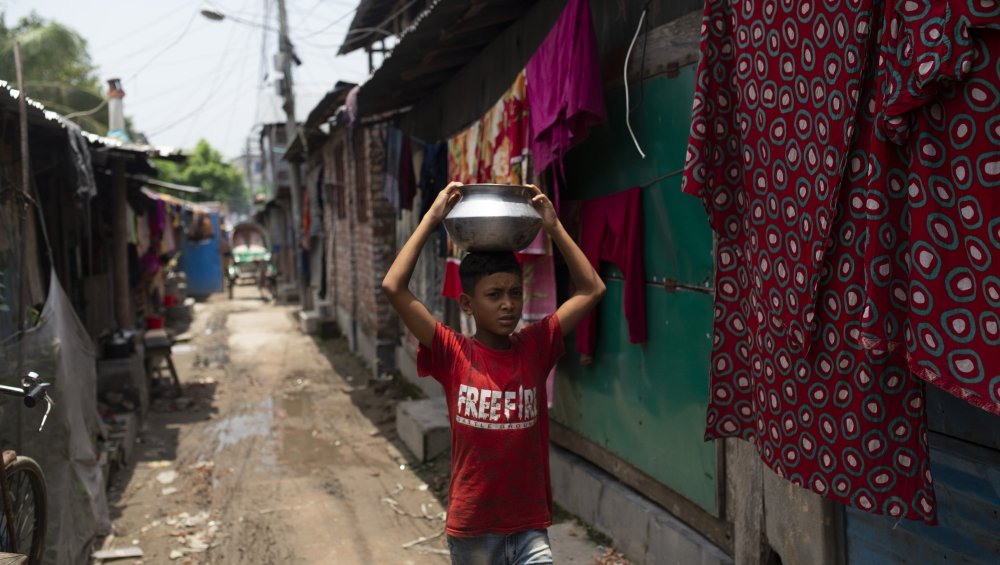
<point>211,94</point>
<point>93,110</point>
<point>217,84</point>
<point>143,28</point>
<point>165,48</point>
<point>232,113</point>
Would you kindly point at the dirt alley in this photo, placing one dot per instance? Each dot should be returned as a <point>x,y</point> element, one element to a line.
<point>281,450</point>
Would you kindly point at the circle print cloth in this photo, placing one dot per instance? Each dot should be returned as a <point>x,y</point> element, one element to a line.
<point>933,255</point>
<point>788,371</point>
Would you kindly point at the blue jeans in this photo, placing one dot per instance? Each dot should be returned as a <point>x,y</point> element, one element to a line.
<point>530,547</point>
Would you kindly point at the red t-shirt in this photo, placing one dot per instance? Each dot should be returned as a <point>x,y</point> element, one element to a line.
<point>499,427</point>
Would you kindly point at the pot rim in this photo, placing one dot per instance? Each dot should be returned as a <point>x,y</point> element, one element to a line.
<point>495,186</point>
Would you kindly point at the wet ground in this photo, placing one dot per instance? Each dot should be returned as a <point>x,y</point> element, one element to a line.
<point>280,449</point>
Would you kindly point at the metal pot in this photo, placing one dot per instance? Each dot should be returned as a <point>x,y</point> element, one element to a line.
<point>119,345</point>
<point>493,217</point>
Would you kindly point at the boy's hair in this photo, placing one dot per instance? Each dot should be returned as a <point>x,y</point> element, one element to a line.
<point>479,264</point>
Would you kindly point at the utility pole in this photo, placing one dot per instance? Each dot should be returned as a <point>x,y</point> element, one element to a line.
<point>291,132</point>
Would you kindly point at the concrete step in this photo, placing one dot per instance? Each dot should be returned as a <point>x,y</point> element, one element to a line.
<point>288,293</point>
<point>423,427</point>
<point>315,323</point>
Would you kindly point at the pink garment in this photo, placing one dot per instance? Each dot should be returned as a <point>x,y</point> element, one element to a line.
<point>565,93</point>
<point>539,272</point>
<point>611,229</point>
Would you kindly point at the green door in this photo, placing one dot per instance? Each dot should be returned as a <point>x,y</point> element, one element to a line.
<point>646,403</point>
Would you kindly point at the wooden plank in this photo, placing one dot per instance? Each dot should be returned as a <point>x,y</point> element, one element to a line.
<point>118,553</point>
<point>13,559</point>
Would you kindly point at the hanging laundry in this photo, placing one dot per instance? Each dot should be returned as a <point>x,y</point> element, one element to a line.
<point>157,219</point>
<point>433,174</point>
<point>463,155</point>
<point>351,103</point>
<point>434,177</point>
<point>932,289</point>
<point>390,178</point>
<point>612,230</point>
<point>564,87</point>
<point>539,273</point>
<point>168,243</point>
<point>494,148</point>
<point>142,233</point>
<point>452,286</point>
<point>770,136</point>
<point>405,177</point>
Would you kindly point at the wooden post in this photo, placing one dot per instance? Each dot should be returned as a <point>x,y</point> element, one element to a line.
<point>23,226</point>
<point>22,208</point>
<point>119,241</point>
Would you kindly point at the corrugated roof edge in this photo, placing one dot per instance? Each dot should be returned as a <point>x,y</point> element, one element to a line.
<point>93,138</point>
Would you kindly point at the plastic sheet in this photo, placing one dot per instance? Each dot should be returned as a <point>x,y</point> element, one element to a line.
<point>60,350</point>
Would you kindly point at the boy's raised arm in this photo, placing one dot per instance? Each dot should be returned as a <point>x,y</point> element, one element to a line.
<point>589,286</point>
<point>396,283</point>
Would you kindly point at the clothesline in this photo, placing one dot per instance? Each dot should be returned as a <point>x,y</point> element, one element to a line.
<point>669,284</point>
<point>661,177</point>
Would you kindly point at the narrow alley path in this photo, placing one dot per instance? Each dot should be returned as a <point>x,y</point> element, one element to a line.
<point>279,451</point>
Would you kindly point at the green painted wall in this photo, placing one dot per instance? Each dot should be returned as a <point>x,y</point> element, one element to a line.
<point>646,403</point>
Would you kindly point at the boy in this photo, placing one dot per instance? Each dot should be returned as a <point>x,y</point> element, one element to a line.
<point>500,499</point>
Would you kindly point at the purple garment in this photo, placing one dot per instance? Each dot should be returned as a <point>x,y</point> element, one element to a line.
<point>158,219</point>
<point>565,93</point>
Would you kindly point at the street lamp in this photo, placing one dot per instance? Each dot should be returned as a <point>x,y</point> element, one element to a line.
<point>217,16</point>
<point>213,14</point>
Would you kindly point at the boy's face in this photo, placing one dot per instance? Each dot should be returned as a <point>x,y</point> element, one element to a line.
<point>496,303</point>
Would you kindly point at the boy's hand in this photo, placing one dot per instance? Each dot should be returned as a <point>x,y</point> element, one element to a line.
<point>544,208</point>
<point>445,201</point>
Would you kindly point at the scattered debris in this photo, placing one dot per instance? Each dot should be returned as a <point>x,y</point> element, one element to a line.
<point>118,553</point>
<point>610,557</point>
<point>168,491</point>
<point>423,539</point>
<point>167,477</point>
<point>176,554</point>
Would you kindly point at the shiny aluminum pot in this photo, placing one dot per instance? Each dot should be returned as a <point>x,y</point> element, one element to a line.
<point>493,217</point>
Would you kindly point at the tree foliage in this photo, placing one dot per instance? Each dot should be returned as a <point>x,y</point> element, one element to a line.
<point>58,71</point>
<point>205,168</point>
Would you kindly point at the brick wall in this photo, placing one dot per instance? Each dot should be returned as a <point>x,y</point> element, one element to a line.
<point>362,230</point>
<point>342,260</point>
<point>376,240</point>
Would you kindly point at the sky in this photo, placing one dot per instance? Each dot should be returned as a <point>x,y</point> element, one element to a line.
<point>187,77</point>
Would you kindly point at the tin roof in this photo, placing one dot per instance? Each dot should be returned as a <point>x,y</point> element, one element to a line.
<point>370,17</point>
<point>441,40</point>
<point>39,116</point>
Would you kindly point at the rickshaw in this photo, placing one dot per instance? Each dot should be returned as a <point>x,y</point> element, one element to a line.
<point>251,258</point>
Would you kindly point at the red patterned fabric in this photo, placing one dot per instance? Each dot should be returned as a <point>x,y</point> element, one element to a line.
<point>932,209</point>
<point>782,88</point>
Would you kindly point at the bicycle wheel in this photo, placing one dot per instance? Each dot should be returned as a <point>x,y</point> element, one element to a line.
<point>27,495</point>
